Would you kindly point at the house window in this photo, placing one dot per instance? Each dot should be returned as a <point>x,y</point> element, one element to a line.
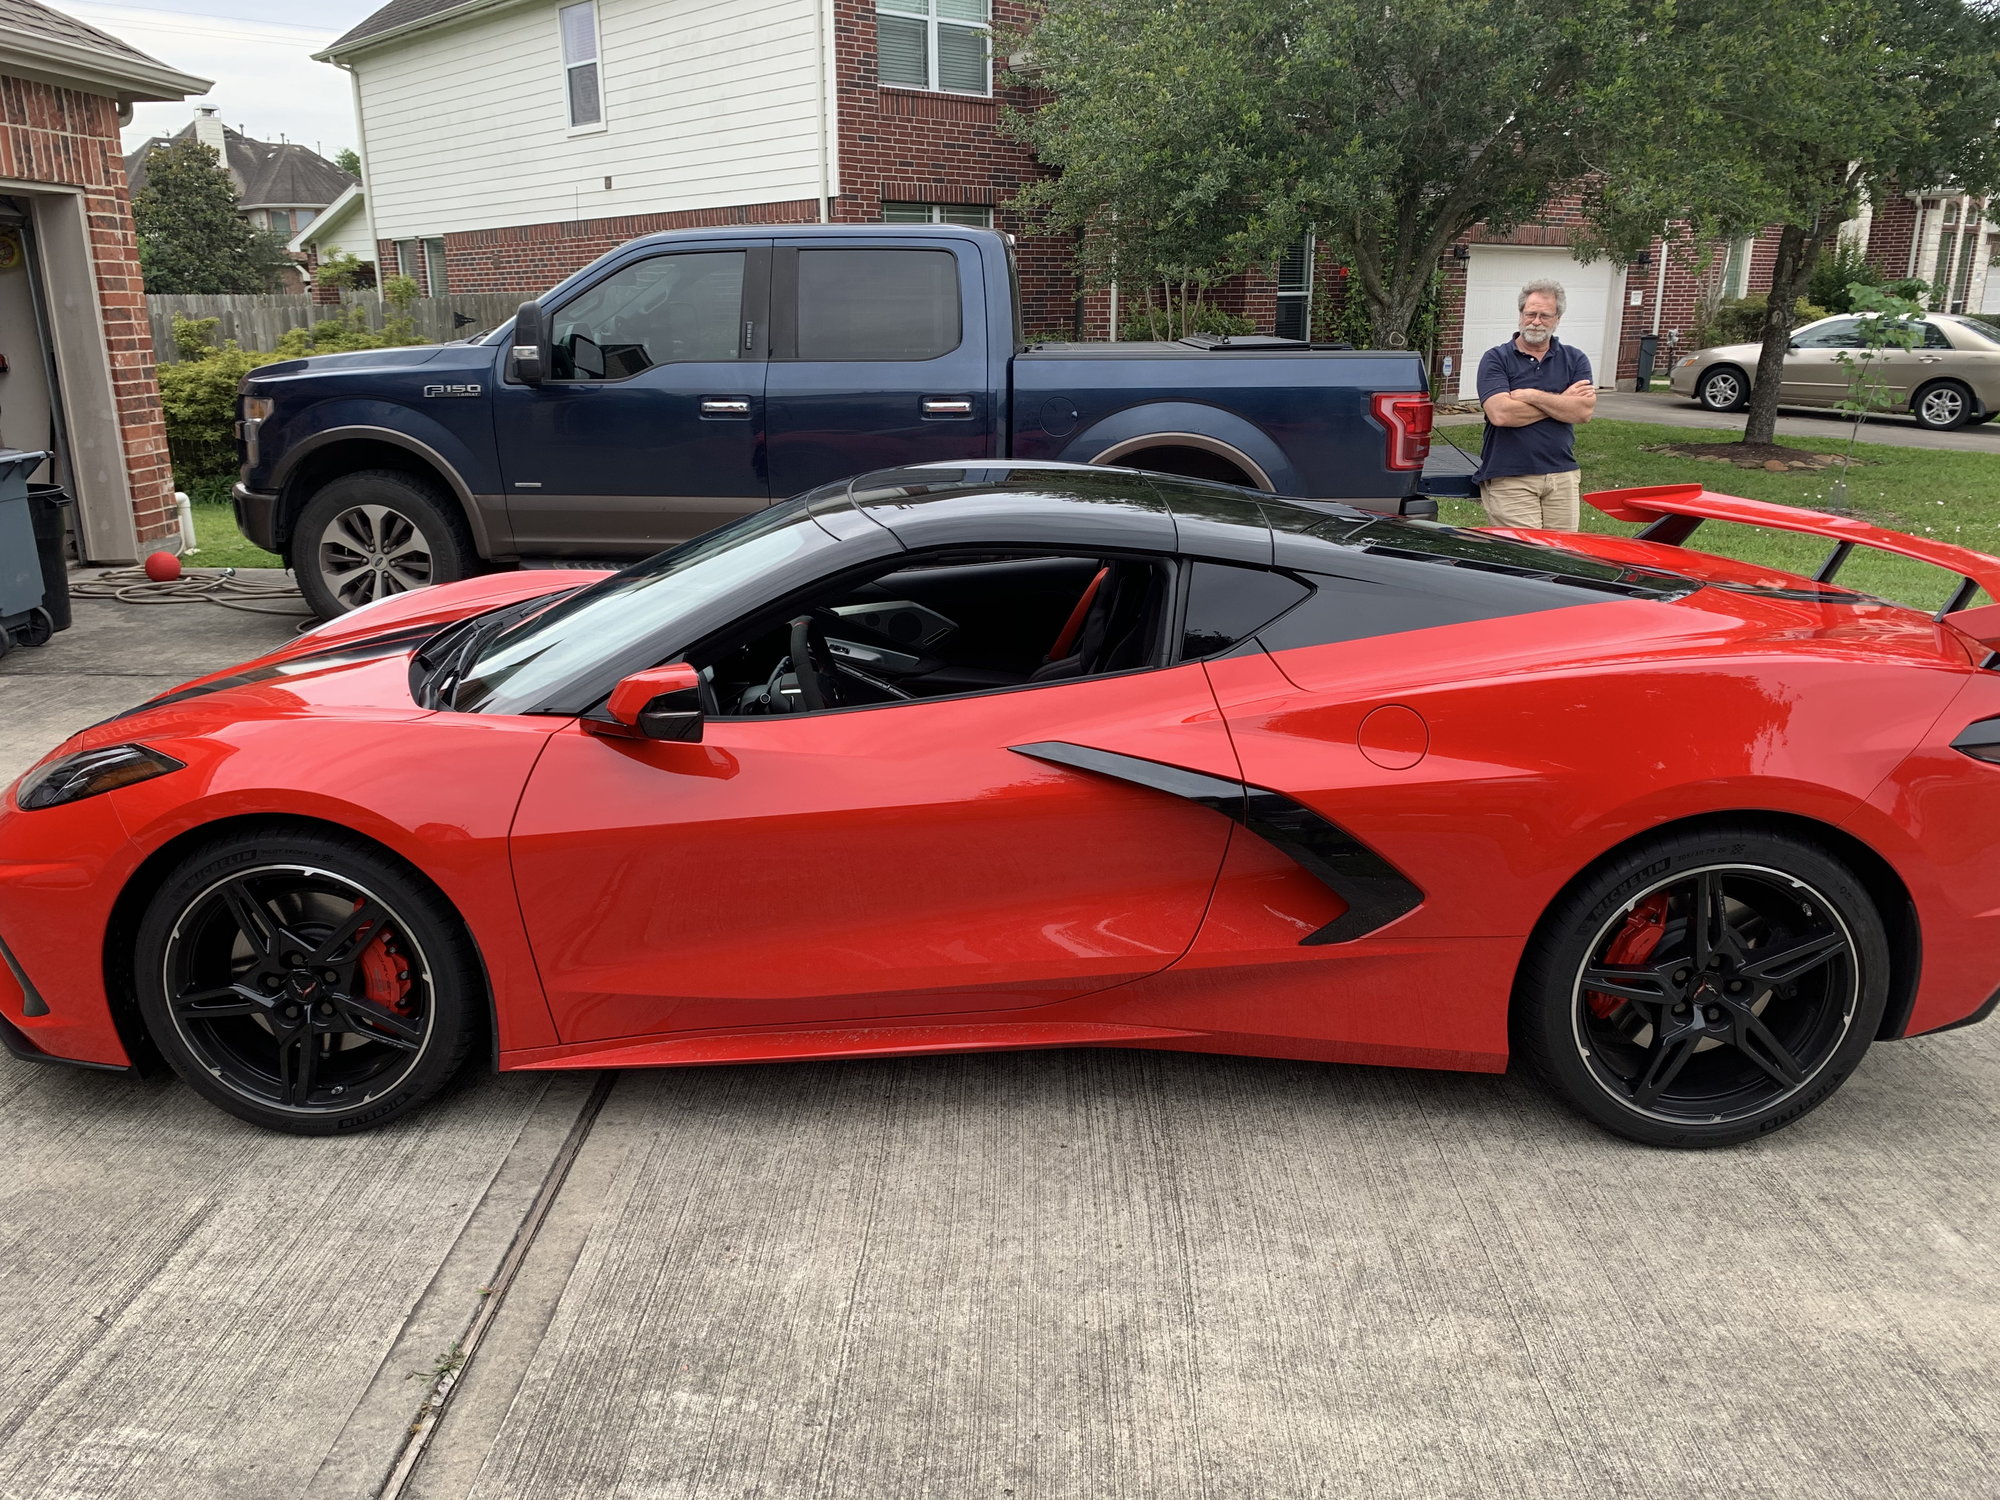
<point>1295,279</point>
<point>434,283</point>
<point>937,213</point>
<point>934,44</point>
<point>406,258</point>
<point>580,76</point>
<point>1736,268</point>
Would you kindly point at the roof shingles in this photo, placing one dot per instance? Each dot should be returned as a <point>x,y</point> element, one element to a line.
<point>26,16</point>
<point>392,17</point>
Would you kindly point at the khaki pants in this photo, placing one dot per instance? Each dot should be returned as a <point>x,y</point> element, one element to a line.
<point>1541,502</point>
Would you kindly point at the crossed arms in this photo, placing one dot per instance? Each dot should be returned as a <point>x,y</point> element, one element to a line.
<point>1525,407</point>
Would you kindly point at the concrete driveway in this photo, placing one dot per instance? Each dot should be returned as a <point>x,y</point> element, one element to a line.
<point>1049,1274</point>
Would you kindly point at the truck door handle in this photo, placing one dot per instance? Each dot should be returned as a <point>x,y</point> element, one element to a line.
<point>947,406</point>
<point>725,406</point>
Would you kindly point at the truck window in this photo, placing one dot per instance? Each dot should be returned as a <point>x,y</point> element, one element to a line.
<point>669,309</point>
<point>877,304</point>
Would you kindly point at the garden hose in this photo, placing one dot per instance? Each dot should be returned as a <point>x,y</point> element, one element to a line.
<point>264,591</point>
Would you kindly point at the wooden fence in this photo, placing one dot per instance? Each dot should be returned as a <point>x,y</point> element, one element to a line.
<point>257,321</point>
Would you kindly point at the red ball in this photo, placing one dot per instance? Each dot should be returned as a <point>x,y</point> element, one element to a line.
<point>163,567</point>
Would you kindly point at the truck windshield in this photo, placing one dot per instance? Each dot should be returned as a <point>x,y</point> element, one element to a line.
<point>520,666</point>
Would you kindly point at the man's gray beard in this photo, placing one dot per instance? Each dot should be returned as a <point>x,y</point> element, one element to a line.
<point>1535,335</point>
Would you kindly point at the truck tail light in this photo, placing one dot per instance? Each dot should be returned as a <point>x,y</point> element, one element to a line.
<point>1406,417</point>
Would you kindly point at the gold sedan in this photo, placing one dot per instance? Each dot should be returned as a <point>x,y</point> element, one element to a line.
<point>1951,379</point>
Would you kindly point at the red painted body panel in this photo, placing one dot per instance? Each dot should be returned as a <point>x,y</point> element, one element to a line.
<point>782,887</point>
<point>879,862</point>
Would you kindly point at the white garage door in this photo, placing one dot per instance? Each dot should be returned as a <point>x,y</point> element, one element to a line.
<point>1494,278</point>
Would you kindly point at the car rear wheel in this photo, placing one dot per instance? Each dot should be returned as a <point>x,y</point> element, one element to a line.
<point>1723,389</point>
<point>1943,406</point>
<point>306,982</point>
<point>374,533</point>
<point>1704,988</point>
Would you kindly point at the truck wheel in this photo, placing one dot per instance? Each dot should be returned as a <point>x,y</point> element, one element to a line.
<point>367,535</point>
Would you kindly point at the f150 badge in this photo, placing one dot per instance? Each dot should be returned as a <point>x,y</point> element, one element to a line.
<point>453,390</point>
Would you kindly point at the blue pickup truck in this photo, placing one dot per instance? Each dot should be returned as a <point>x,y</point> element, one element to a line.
<point>689,377</point>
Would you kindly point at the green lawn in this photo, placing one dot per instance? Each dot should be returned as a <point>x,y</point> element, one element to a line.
<point>222,545</point>
<point>1954,497</point>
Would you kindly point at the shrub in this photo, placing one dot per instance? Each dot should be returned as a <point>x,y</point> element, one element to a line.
<point>401,291</point>
<point>199,399</point>
<point>1835,275</point>
<point>1178,318</point>
<point>194,338</point>
<point>345,270</point>
<point>1740,320</point>
<point>346,331</point>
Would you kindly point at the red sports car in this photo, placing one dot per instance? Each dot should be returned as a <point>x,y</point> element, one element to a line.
<point>1004,756</point>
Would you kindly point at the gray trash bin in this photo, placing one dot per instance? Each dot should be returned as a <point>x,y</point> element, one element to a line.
<point>22,617</point>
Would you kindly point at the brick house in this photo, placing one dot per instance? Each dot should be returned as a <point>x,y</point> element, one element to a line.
<point>587,122</point>
<point>79,379</point>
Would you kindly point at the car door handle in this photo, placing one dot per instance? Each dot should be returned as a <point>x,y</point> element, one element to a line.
<point>725,406</point>
<point>947,406</point>
<point>1929,359</point>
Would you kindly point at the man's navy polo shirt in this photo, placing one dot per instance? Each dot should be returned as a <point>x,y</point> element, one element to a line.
<point>1544,447</point>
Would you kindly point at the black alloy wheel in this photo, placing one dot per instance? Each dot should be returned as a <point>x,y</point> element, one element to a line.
<point>1709,996</point>
<point>313,987</point>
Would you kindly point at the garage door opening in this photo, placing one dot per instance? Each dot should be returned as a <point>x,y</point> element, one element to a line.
<point>1494,277</point>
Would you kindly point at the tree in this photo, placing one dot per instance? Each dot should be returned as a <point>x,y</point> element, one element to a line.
<point>348,160</point>
<point>1787,114</point>
<point>1197,136</point>
<point>191,238</point>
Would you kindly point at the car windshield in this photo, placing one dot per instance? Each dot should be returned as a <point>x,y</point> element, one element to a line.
<point>516,670</point>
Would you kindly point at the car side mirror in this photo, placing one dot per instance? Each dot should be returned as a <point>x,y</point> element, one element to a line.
<point>663,703</point>
<point>528,360</point>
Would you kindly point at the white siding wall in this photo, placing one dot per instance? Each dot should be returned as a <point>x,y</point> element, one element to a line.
<point>706,104</point>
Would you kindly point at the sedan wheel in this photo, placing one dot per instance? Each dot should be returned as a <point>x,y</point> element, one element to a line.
<point>1711,1002</point>
<point>1943,407</point>
<point>1722,389</point>
<point>313,987</point>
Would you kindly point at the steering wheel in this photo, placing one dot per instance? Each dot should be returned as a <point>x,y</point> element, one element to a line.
<point>811,662</point>
<point>819,671</point>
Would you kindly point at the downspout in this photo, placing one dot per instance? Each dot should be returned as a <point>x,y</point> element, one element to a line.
<point>367,193</point>
<point>825,66</point>
<point>1660,285</point>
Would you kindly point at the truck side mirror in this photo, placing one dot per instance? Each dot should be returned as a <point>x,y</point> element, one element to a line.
<point>529,358</point>
<point>663,703</point>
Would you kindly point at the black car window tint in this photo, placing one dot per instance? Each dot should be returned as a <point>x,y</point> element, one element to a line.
<point>1934,337</point>
<point>669,309</point>
<point>877,304</point>
<point>1227,604</point>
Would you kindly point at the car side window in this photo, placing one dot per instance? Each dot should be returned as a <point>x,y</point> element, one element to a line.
<point>667,309</point>
<point>1227,603</point>
<point>943,626</point>
<point>1934,337</point>
<point>878,304</point>
<point>1841,333</point>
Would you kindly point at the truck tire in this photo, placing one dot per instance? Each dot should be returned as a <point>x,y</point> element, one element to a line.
<point>374,533</point>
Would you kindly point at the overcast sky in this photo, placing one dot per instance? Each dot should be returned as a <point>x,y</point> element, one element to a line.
<point>259,52</point>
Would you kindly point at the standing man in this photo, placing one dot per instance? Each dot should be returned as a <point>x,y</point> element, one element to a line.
<point>1535,389</point>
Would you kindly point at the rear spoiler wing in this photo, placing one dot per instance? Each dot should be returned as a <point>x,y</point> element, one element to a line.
<point>1671,512</point>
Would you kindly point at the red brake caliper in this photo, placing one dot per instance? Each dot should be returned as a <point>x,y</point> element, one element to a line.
<point>1644,926</point>
<point>385,973</point>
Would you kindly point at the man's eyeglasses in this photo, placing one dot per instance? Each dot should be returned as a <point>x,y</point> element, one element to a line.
<point>1528,317</point>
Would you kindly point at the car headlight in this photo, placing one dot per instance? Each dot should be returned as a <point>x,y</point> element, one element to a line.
<point>1686,360</point>
<point>257,408</point>
<point>89,772</point>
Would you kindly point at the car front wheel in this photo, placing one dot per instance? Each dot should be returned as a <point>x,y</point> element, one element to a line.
<point>1704,988</point>
<point>374,533</point>
<point>1723,389</point>
<point>306,982</point>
